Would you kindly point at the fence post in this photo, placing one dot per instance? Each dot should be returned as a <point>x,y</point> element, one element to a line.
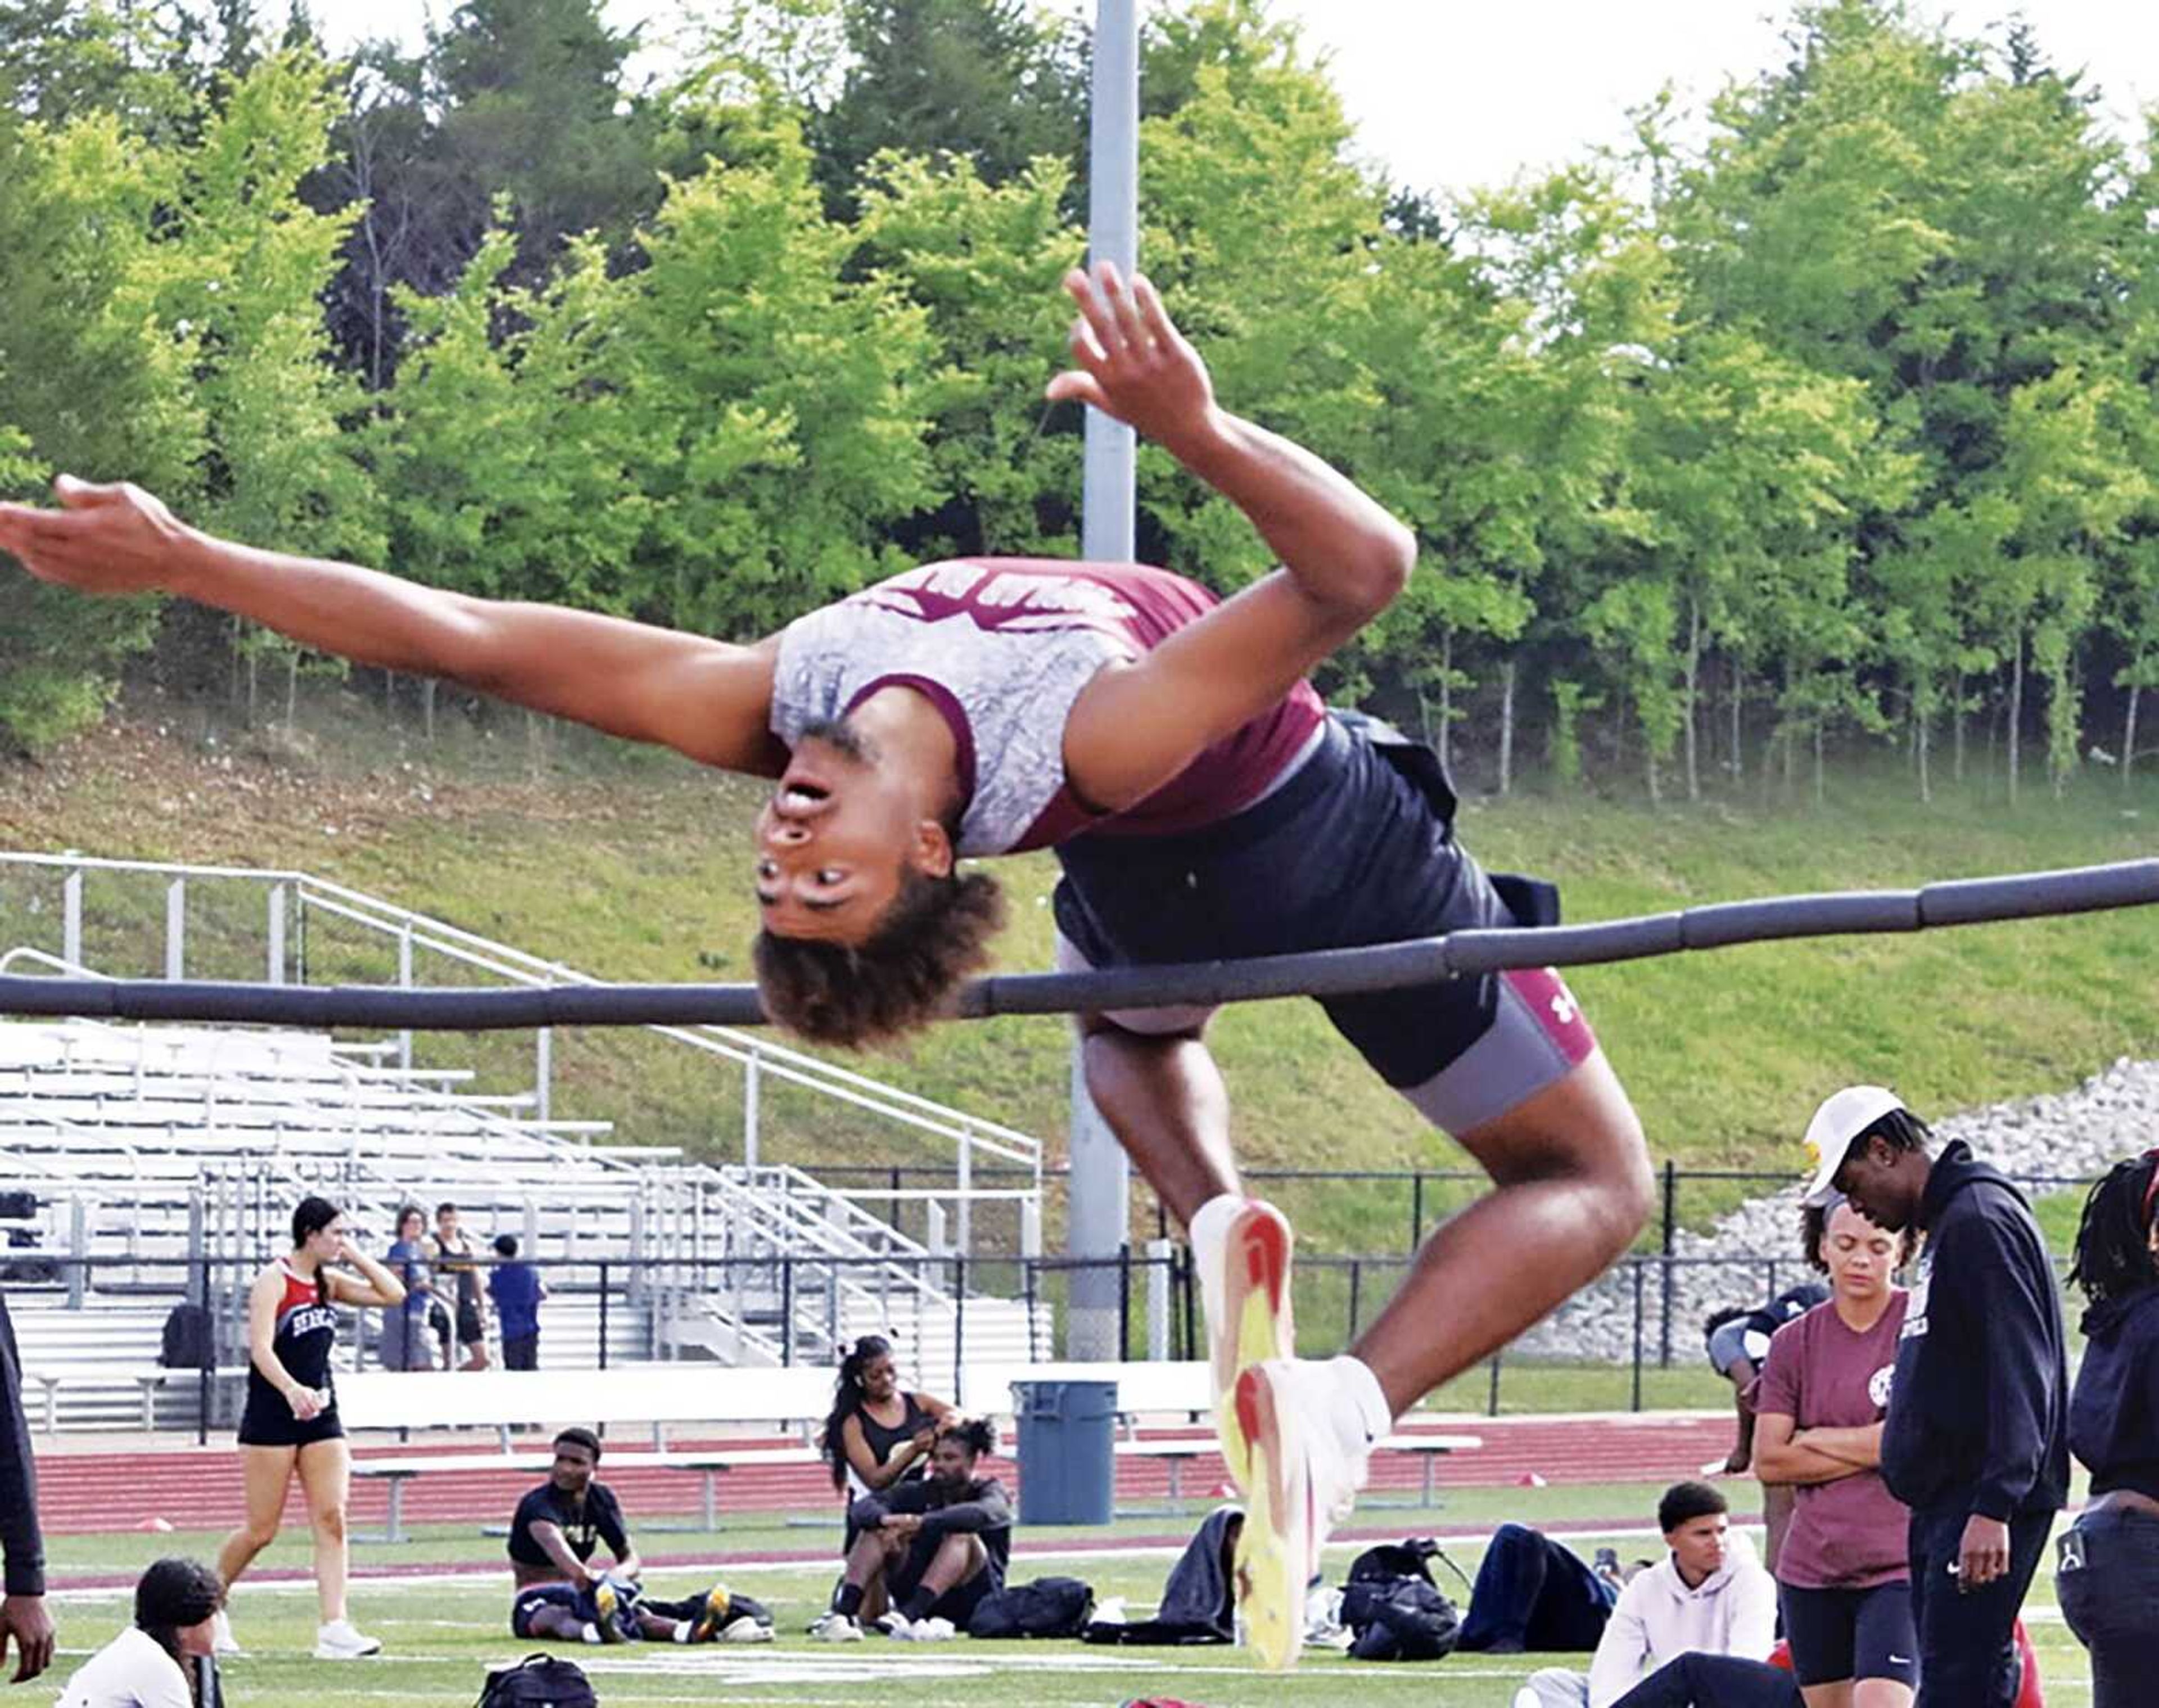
<point>1492,1404</point>
<point>786,1306</point>
<point>1356,1292</point>
<point>1125,1302</point>
<point>176,930</point>
<point>749,1112</point>
<point>276,933</point>
<point>1417,1210</point>
<point>959,1318</point>
<point>1191,1308</point>
<point>1671,1230</point>
<point>71,917</point>
<point>1637,1266</point>
<point>1160,1255</point>
<point>605,1289</point>
<point>1030,1286</point>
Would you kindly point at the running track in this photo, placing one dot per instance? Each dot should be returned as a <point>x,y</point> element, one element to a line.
<point>81,1492</point>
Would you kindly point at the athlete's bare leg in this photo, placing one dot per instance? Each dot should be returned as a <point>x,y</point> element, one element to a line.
<point>1164,1099</point>
<point>326,1475</point>
<point>1574,1187</point>
<point>266,1472</point>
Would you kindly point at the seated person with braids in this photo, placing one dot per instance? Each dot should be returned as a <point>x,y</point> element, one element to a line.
<point>560,1594</point>
<point>164,1659</point>
<point>937,1547</point>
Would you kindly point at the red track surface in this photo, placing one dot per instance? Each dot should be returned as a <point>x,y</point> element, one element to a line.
<point>199,1488</point>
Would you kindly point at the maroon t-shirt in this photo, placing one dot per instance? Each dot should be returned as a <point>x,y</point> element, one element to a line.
<point>1850,1534</point>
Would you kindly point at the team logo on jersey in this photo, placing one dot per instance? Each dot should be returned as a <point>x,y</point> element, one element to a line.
<point>306,1319</point>
<point>1001,601</point>
<point>1878,1386</point>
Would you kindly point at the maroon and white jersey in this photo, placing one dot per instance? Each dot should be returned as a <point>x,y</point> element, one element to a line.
<point>1001,646</point>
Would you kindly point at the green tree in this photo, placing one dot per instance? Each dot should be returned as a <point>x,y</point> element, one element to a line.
<point>995,82</point>
<point>983,262</point>
<point>776,399</point>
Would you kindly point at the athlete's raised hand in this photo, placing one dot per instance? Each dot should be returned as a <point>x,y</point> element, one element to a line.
<point>102,539</point>
<point>1133,363</point>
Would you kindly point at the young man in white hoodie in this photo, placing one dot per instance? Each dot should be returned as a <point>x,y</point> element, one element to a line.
<point>1709,1595</point>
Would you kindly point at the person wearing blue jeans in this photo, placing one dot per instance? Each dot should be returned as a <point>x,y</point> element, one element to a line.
<point>1533,1594</point>
<point>2106,1573</point>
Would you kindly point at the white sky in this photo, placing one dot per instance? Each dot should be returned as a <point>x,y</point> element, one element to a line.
<point>1452,94</point>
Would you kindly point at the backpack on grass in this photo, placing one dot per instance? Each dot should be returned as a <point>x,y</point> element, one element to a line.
<point>1393,1607</point>
<point>1049,1606</point>
<point>538,1681</point>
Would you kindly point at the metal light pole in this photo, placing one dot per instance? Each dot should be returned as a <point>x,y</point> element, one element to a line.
<point>1097,1224</point>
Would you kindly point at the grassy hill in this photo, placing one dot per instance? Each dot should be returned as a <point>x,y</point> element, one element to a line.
<point>630,866</point>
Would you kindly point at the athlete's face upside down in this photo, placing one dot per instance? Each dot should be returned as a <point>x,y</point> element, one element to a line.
<point>838,836</point>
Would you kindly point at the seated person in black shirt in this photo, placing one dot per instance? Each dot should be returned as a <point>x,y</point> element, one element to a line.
<point>558,1528</point>
<point>938,1545</point>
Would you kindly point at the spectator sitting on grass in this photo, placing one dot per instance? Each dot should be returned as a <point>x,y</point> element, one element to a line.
<point>1708,1595</point>
<point>163,1660</point>
<point>1533,1593</point>
<point>559,1526</point>
<point>937,1545</point>
<point>517,1290</point>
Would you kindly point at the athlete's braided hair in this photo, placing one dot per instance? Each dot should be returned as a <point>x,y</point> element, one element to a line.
<point>2113,1255</point>
<point>847,1397</point>
<point>936,931</point>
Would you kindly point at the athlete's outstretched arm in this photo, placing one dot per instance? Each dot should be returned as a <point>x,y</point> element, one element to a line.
<point>706,698</point>
<point>1344,558</point>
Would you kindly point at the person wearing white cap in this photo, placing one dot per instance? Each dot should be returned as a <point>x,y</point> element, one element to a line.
<point>1975,1440</point>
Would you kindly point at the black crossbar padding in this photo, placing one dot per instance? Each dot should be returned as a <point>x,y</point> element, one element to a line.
<point>1330,972</point>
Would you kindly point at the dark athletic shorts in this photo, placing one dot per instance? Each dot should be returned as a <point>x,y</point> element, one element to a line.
<point>1850,1633</point>
<point>1356,847</point>
<point>470,1329</point>
<point>274,1426</point>
<point>957,1603</point>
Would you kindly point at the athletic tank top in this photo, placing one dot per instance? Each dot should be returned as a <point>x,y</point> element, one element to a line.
<point>882,1438</point>
<point>1001,646</point>
<point>306,1334</point>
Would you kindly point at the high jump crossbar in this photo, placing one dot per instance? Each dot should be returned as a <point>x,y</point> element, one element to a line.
<point>1322,973</point>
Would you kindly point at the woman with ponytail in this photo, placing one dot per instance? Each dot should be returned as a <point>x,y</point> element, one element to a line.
<point>290,1425</point>
<point>2107,1570</point>
<point>877,1435</point>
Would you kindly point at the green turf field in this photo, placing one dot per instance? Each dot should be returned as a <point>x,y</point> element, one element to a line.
<point>442,1630</point>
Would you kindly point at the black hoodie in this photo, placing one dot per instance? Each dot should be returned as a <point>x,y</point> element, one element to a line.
<point>2113,1415</point>
<point>19,1539</point>
<point>1978,1414</point>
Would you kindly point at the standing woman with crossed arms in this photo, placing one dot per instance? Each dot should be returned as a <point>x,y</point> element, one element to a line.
<point>291,1422</point>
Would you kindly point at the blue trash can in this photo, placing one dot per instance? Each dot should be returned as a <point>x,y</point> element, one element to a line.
<point>1068,1433</point>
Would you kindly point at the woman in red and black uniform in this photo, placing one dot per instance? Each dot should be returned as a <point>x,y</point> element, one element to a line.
<point>290,1421</point>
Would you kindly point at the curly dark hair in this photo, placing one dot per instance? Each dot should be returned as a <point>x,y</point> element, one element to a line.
<point>935,933</point>
<point>977,1435</point>
<point>1814,1228</point>
<point>2114,1236</point>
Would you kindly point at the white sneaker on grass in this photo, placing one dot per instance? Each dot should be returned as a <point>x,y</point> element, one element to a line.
<point>342,1640</point>
<point>926,1631</point>
<point>836,1627</point>
<point>1307,1465</point>
<point>1241,1250</point>
<point>891,1622</point>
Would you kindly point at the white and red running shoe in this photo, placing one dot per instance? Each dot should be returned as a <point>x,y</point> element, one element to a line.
<point>1305,1476</point>
<point>1244,1264</point>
